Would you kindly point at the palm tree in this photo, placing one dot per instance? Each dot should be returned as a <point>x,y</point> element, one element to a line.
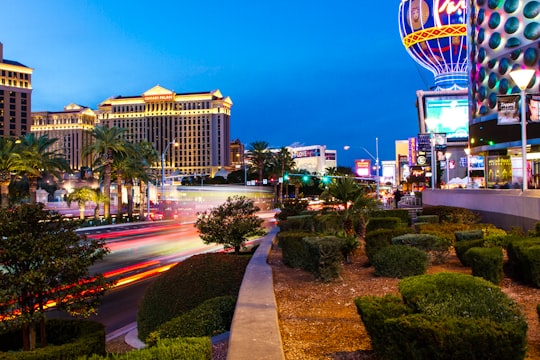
<point>147,157</point>
<point>81,195</point>
<point>9,162</point>
<point>355,201</point>
<point>281,163</point>
<point>36,158</point>
<point>299,181</point>
<point>122,168</point>
<point>259,156</point>
<point>132,167</point>
<point>108,143</point>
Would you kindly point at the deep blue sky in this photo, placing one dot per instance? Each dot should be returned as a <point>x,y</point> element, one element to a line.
<point>311,72</point>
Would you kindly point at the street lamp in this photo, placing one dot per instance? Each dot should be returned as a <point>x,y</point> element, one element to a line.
<point>163,169</point>
<point>468,153</point>
<point>430,124</point>
<point>447,155</point>
<point>376,158</point>
<point>522,78</point>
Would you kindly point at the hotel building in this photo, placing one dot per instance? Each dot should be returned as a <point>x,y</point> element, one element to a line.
<point>15,97</point>
<point>72,127</point>
<point>191,131</point>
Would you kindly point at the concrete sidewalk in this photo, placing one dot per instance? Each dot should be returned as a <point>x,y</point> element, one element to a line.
<point>255,327</point>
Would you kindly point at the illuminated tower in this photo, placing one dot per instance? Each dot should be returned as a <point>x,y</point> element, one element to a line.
<point>434,32</point>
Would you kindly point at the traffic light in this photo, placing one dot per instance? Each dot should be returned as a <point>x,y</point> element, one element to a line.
<point>305,178</point>
<point>286,177</point>
<point>326,180</point>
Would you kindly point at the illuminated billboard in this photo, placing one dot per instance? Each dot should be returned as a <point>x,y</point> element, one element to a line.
<point>363,168</point>
<point>445,112</point>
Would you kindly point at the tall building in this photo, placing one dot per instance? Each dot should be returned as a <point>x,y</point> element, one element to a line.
<point>504,36</point>
<point>15,97</point>
<point>190,130</point>
<point>71,127</point>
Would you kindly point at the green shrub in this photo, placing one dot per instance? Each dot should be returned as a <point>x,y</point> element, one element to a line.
<point>524,259</point>
<point>400,261</point>
<point>461,248</point>
<point>469,234</point>
<point>211,318</point>
<point>294,252</point>
<point>453,338</point>
<point>403,214</point>
<point>374,311</point>
<point>210,275</point>
<point>375,223</point>
<point>430,219</point>
<point>377,239</point>
<point>424,242</point>
<point>495,237</point>
<point>168,349</point>
<point>329,223</point>
<point>445,316</point>
<point>67,339</point>
<point>486,263</point>
<point>298,223</point>
<point>325,255</point>
<point>456,294</point>
<point>292,208</point>
<point>451,214</point>
<point>437,247</point>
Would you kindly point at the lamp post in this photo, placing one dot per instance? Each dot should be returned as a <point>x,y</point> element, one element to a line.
<point>522,78</point>
<point>447,155</point>
<point>163,169</point>
<point>430,127</point>
<point>376,158</point>
<point>468,153</point>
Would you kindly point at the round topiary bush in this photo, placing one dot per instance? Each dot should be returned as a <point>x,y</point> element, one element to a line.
<point>400,261</point>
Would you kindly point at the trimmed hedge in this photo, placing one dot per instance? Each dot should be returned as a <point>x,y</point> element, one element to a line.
<point>169,349</point>
<point>294,251</point>
<point>210,275</point>
<point>399,261</point>
<point>403,214</point>
<point>378,239</point>
<point>452,214</point>
<point>445,316</point>
<point>298,223</point>
<point>430,219</point>
<point>211,318</point>
<point>461,248</point>
<point>375,223</point>
<point>486,263</point>
<point>67,339</point>
<point>469,234</point>
<point>524,258</point>
<point>324,256</point>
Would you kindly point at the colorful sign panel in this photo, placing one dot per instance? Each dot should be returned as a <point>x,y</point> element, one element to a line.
<point>306,153</point>
<point>448,114</point>
<point>363,168</point>
<point>508,110</point>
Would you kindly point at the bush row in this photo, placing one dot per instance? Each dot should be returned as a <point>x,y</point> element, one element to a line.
<point>67,339</point>
<point>167,349</point>
<point>187,285</point>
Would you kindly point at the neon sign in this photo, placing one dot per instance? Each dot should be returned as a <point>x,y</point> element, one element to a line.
<point>451,6</point>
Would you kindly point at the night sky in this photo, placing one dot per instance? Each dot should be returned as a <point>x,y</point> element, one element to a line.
<point>305,72</point>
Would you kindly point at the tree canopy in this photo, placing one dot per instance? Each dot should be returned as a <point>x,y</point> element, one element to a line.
<point>230,223</point>
<point>43,260</point>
